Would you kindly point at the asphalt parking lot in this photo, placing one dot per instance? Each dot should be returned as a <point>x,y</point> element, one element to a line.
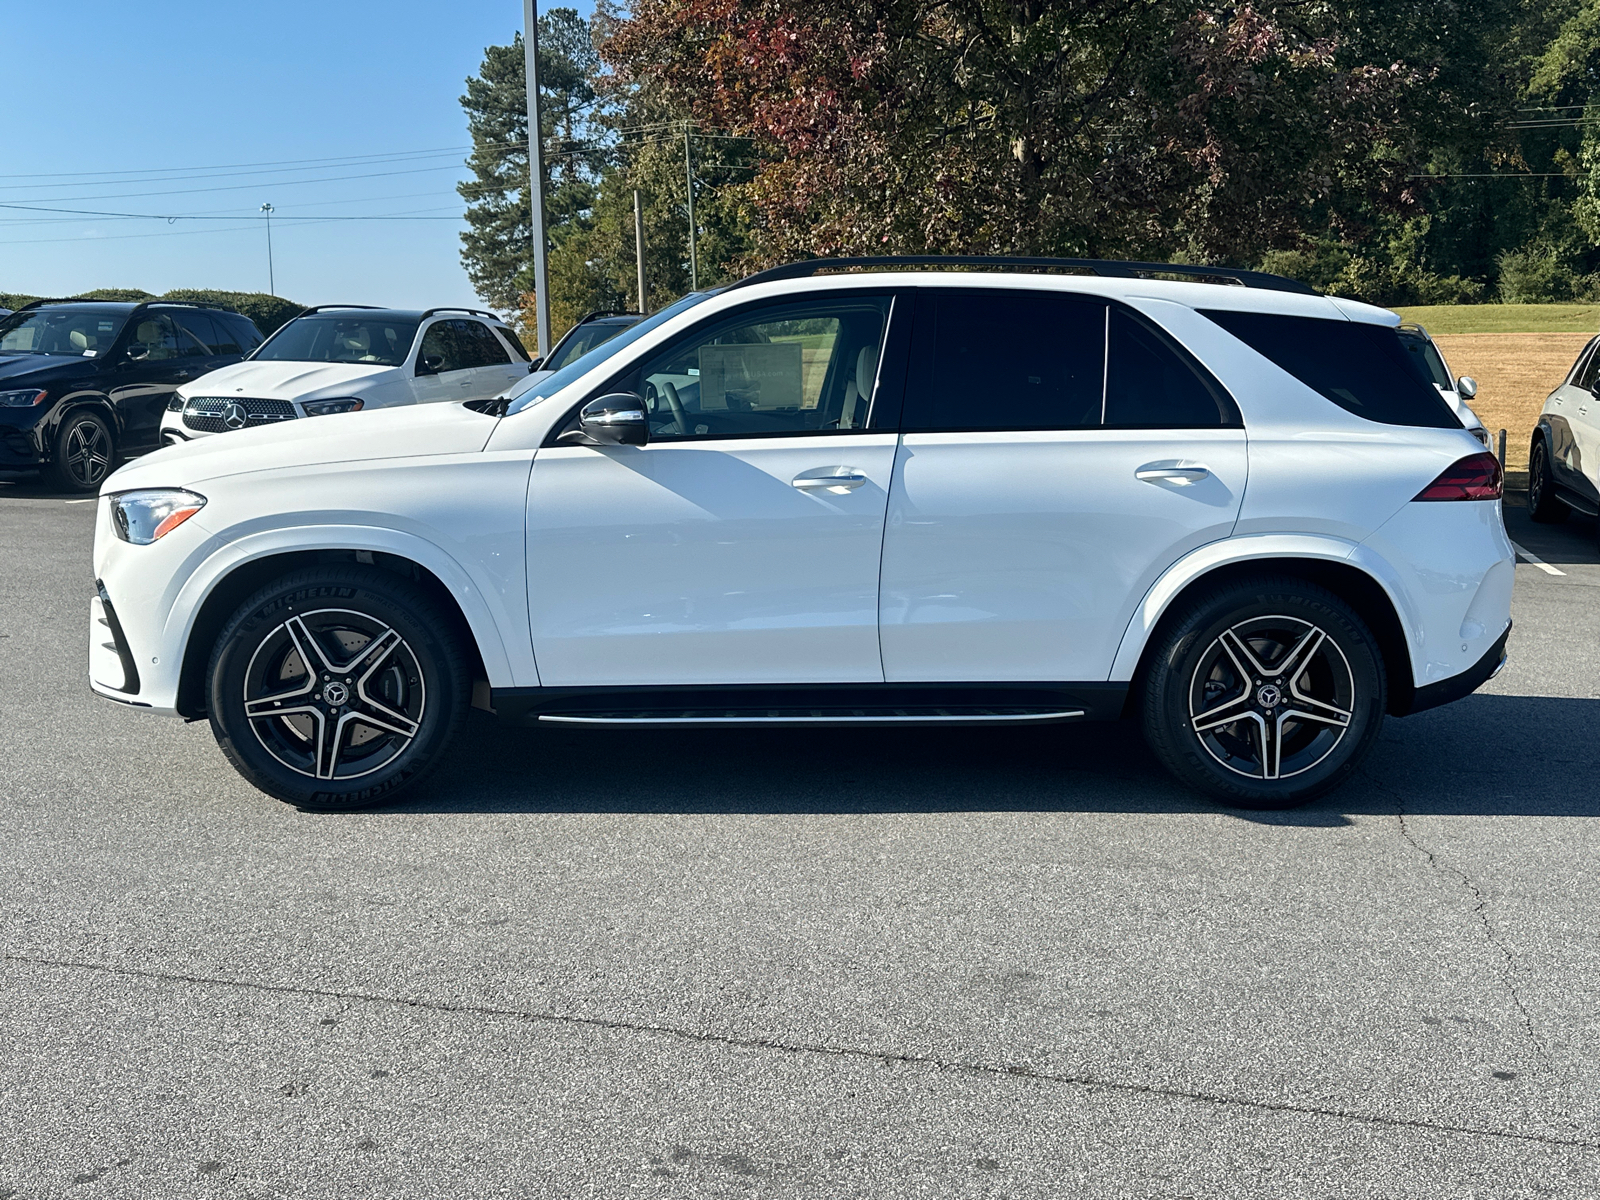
<point>1016,963</point>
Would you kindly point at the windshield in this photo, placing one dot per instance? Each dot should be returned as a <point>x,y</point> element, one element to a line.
<point>584,339</point>
<point>530,391</point>
<point>70,332</point>
<point>370,341</point>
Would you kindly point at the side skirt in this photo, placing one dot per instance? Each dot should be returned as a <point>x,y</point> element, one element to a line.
<point>813,704</point>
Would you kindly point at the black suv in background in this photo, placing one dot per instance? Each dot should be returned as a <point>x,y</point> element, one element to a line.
<point>85,381</point>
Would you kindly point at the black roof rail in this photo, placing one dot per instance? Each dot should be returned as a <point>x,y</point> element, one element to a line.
<point>316,308</point>
<point>1114,268</point>
<point>477,312</point>
<point>606,312</point>
<point>137,304</point>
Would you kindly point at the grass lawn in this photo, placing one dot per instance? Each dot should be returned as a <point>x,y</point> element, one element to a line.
<point>1505,318</point>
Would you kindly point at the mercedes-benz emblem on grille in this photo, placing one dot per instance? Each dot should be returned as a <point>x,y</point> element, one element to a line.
<point>234,415</point>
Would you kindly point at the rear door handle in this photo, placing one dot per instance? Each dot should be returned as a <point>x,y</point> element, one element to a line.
<point>1181,476</point>
<point>830,479</point>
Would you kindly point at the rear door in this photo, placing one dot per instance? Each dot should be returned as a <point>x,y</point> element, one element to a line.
<point>1573,415</point>
<point>1059,453</point>
<point>494,369</point>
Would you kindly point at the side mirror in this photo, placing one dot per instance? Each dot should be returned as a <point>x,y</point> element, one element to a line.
<point>429,364</point>
<point>615,420</point>
<point>535,365</point>
<point>1466,387</point>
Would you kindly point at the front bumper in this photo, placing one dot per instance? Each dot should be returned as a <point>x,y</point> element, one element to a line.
<point>21,445</point>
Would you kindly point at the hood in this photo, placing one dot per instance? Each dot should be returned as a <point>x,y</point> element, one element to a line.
<point>365,436</point>
<point>282,380</point>
<point>38,367</point>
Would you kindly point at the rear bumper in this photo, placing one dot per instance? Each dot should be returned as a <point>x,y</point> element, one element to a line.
<point>1448,690</point>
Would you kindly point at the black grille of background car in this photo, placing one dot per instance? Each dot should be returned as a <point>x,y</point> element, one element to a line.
<point>207,414</point>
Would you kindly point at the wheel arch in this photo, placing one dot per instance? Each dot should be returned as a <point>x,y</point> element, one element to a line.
<point>1327,567</point>
<point>237,582</point>
<point>63,411</point>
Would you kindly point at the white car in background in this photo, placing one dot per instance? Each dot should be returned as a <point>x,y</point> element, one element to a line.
<point>340,358</point>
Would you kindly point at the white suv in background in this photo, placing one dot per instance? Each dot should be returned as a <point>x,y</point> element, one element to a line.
<point>340,358</point>
<point>1242,515</point>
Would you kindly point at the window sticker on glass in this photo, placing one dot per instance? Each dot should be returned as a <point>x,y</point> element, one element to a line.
<point>752,377</point>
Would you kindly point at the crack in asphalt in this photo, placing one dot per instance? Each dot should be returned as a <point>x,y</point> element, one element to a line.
<point>1479,910</point>
<point>1087,1082</point>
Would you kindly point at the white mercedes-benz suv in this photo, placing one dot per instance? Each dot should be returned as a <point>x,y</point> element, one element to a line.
<point>343,358</point>
<point>1241,515</point>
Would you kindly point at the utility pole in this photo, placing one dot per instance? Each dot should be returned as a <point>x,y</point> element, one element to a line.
<point>688,178</point>
<point>541,277</point>
<point>638,244</point>
<point>272,280</point>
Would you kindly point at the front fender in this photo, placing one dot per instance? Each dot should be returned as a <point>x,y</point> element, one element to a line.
<point>505,667</point>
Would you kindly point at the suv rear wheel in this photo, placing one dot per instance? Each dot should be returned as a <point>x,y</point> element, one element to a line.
<point>1265,693</point>
<point>336,687</point>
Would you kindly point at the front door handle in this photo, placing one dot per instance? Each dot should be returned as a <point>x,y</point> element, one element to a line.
<point>1181,476</point>
<point>837,480</point>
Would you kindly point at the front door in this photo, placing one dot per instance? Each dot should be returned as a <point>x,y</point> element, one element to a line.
<point>740,546</point>
<point>146,376</point>
<point>1059,454</point>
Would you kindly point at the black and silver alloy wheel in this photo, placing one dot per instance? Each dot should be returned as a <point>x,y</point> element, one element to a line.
<point>1264,693</point>
<point>85,452</point>
<point>337,686</point>
<point>334,694</point>
<point>1543,503</point>
<point>1271,697</point>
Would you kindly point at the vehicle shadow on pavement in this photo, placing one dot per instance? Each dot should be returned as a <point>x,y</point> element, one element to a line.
<point>16,485</point>
<point>1575,540</point>
<point>1484,756</point>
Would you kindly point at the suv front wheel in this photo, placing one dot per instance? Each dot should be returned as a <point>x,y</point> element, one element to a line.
<point>85,452</point>
<point>1265,693</point>
<point>336,687</point>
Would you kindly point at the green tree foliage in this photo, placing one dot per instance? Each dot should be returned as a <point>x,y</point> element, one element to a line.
<point>1419,151</point>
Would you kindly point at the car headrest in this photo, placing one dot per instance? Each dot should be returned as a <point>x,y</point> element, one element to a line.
<point>79,339</point>
<point>148,331</point>
<point>866,369</point>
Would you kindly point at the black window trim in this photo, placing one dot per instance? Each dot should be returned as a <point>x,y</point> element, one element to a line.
<point>1234,417</point>
<point>1582,365</point>
<point>888,395</point>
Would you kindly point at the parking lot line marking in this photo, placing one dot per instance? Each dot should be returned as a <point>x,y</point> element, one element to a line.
<point>1536,561</point>
<point>90,500</point>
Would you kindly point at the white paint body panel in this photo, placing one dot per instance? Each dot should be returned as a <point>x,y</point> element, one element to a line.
<point>702,563</point>
<point>1021,556</point>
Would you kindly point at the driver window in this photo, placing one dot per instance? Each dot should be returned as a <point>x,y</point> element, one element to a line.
<point>444,341</point>
<point>791,368</point>
<point>154,332</point>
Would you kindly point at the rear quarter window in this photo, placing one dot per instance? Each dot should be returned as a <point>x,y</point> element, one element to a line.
<point>1362,368</point>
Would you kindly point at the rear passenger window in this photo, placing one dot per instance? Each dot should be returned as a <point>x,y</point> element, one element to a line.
<point>196,338</point>
<point>1360,367</point>
<point>1007,360</point>
<point>1152,384</point>
<point>245,329</point>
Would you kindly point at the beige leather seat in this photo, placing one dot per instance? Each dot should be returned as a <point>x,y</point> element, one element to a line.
<point>858,391</point>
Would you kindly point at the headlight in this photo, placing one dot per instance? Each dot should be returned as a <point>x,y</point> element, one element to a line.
<point>175,404</point>
<point>322,408</point>
<point>142,517</point>
<point>26,398</point>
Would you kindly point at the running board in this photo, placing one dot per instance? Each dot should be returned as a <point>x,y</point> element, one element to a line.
<point>816,718</point>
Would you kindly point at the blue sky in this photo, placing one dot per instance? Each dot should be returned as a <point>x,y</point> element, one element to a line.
<point>179,104</point>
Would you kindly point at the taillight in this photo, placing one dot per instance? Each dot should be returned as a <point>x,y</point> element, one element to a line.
<point>1476,477</point>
